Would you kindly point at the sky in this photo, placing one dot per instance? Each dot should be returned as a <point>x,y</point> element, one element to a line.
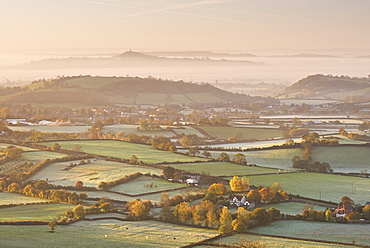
<point>168,25</point>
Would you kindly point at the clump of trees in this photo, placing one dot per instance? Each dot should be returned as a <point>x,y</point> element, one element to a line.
<point>138,209</point>
<point>163,143</point>
<point>308,165</point>
<point>239,184</point>
<point>207,214</point>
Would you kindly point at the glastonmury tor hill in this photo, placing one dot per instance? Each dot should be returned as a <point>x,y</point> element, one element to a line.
<point>100,91</point>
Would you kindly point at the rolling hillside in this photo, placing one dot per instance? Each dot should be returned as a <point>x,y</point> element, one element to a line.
<point>98,91</point>
<point>329,87</point>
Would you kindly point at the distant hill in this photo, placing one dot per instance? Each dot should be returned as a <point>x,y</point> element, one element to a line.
<point>329,87</point>
<point>306,55</point>
<point>99,91</point>
<point>130,59</point>
<point>200,54</point>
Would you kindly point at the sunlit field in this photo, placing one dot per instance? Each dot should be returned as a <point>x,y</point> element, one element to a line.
<point>90,174</point>
<point>125,150</point>
<point>40,212</point>
<point>143,185</point>
<point>14,198</point>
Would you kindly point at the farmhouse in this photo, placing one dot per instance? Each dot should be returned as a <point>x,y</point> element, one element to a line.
<point>343,209</point>
<point>241,201</point>
<point>191,175</point>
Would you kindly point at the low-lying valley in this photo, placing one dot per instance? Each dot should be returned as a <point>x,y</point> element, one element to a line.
<point>147,162</point>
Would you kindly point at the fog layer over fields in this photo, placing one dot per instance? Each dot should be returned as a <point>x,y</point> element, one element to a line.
<point>279,70</point>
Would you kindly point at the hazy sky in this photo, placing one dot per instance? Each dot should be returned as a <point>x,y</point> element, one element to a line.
<point>218,25</point>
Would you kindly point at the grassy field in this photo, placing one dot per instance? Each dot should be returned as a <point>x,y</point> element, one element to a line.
<point>187,130</point>
<point>248,133</point>
<point>223,168</point>
<point>343,158</point>
<point>119,149</point>
<point>42,212</point>
<point>272,242</point>
<point>291,207</point>
<point>133,129</point>
<point>314,185</point>
<point>104,233</point>
<point>345,140</point>
<point>52,129</point>
<point>141,185</point>
<point>90,174</point>
<point>24,148</point>
<point>318,231</point>
<point>151,197</point>
<point>34,157</point>
<point>13,198</point>
<point>279,158</point>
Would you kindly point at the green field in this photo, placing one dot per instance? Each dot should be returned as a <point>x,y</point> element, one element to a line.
<point>90,174</point>
<point>41,212</point>
<point>133,129</point>
<point>343,140</point>
<point>152,197</point>
<point>315,185</point>
<point>119,149</point>
<point>272,242</point>
<point>279,158</point>
<point>103,233</point>
<point>222,168</point>
<point>343,158</point>
<point>187,130</point>
<point>248,133</point>
<point>24,148</point>
<point>14,198</point>
<point>34,157</point>
<point>52,129</point>
<point>292,208</point>
<point>328,231</point>
<point>141,185</point>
